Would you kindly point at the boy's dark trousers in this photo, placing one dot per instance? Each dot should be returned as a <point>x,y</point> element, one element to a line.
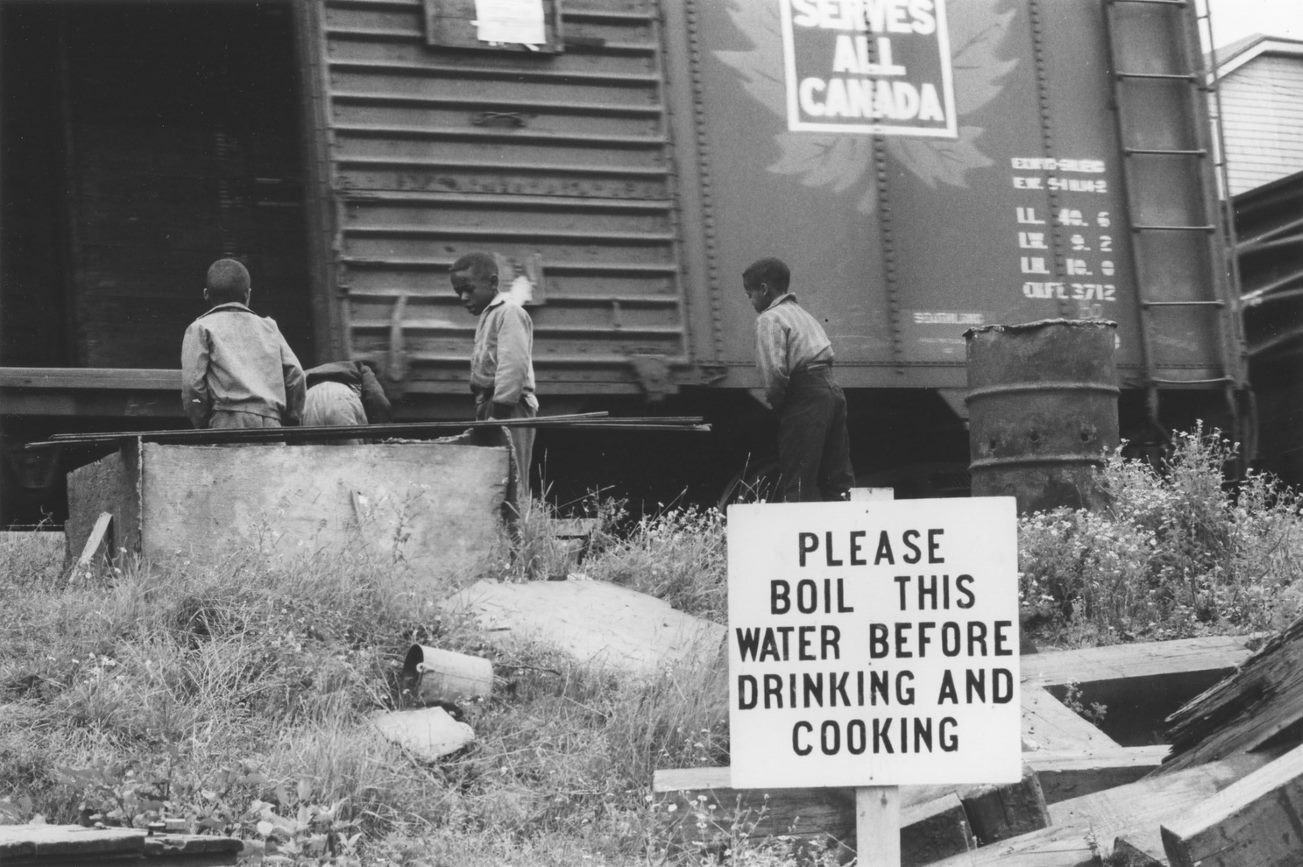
<point>814,449</point>
<point>521,441</point>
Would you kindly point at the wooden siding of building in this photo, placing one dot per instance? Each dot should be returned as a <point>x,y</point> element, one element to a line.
<point>560,160</point>
<point>1262,120</point>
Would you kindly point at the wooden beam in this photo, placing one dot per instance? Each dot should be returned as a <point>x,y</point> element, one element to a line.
<point>1244,711</point>
<point>122,378</point>
<point>1068,774</point>
<point>1049,724</point>
<point>1048,847</point>
<point>995,812</point>
<point>1256,820</point>
<point>95,544</point>
<point>1140,807</point>
<point>1085,829</point>
<point>1133,662</point>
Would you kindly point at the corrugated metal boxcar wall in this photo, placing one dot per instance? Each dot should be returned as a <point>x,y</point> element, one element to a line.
<point>559,160</point>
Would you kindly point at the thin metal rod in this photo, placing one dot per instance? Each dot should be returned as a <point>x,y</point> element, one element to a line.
<point>591,420</point>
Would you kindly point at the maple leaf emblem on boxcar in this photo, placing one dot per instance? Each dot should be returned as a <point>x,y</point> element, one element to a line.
<point>843,161</point>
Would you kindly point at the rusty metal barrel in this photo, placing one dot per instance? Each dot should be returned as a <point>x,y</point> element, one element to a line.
<point>1043,411</point>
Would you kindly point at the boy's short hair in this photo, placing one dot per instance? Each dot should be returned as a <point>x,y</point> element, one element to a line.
<point>768,270</point>
<point>227,281</point>
<point>481,265</point>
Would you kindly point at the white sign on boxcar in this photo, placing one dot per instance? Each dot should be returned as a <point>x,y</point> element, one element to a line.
<point>873,643</point>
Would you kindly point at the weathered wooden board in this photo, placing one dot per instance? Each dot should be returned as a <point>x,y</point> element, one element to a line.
<point>430,506</point>
<point>1138,684</point>
<point>1145,804</point>
<point>1068,774</point>
<point>1048,847</point>
<point>1083,830</point>
<point>1048,724</point>
<point>1134,662</point>
<point>1256,820</point>
<point>594,621</point>
<point>1245,710</point>
<point>995,812</point>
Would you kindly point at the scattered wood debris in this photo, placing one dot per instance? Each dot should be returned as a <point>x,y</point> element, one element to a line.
<point>1090,795</point>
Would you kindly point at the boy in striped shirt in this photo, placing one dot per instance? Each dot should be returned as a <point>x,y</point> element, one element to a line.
<point>794,357</point>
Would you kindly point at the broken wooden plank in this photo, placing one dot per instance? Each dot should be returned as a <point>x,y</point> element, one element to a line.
<point>1243,711</point>
<point>1068,774</point>
<point>1143,805</point>
<point>1139,685</point>
<point>1256,820</point>
<point>96,544</point>
<point>1049,724</point>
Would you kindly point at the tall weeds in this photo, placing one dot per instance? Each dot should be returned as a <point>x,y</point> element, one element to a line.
<point>1180,552</point>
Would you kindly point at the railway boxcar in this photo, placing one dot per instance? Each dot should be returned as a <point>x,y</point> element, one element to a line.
<point>925,166</point>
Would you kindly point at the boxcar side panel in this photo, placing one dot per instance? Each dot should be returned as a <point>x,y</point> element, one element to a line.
<point>559,162</point>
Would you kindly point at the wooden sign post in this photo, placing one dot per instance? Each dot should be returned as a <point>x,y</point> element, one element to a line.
<point>877,826</point>
<point>874,644</point>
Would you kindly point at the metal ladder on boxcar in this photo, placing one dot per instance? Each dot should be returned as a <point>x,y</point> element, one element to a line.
<point>1160,86</point>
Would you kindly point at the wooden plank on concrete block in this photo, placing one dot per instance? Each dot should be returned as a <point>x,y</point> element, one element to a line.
<point>1243,711</point>
<point>1068,774</point>
<point>595,622</point>
<point>1148,802</point>
<point>934,829</point>
<point>1049,724</point>
<point>1048,847</point>
<point>433,507</point>
<point>1256,820</point>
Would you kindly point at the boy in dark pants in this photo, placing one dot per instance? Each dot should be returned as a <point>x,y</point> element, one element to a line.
<point>795,357</point>
<point>502,364</point>
<point>237,371</point>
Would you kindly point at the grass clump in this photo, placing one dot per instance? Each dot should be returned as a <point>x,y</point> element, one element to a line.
<point>1182,551</point>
